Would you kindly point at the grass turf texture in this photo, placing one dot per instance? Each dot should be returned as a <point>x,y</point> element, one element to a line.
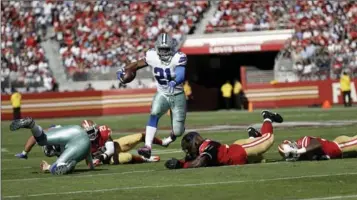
<point>273,180</point>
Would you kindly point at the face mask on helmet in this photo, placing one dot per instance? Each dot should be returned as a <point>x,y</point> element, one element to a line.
<point>91,128</point>
<point>92,133</point>
<point>164,53</point>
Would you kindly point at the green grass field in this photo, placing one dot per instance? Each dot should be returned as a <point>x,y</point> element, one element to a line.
<point>334,179</point>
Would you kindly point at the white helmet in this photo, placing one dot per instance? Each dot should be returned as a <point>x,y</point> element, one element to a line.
<point>287,149</point>
<point>91,128</point>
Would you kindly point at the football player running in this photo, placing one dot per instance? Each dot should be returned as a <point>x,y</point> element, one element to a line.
<point>168,68</point>
<point>105,150</point>
<point>202,152</point>
<point>316,148</point>
<point>73,138</point>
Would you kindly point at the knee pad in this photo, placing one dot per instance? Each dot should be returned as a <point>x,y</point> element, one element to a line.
<point>178,131</point>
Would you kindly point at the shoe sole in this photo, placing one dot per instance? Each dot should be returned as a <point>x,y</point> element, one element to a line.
<point>274,115</point>
<point>144,153</point>
<point>15,126</point>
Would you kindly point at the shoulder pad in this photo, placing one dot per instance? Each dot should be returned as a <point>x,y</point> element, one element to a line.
<point>149,55</point>
<point>105,132</point>
<point>180,58</point>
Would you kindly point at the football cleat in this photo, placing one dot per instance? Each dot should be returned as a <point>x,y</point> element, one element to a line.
<point>167,141</point>
<point>21,156</point>
<point>252,132</point>
<point>274,117</point>
<point>145,151</point>
<point>27,122</point>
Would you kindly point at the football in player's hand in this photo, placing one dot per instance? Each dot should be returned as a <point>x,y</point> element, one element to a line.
<point>129,75</point>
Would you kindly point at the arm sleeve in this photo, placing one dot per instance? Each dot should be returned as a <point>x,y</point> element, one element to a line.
<point>180,74</point>
<point>109,146</point>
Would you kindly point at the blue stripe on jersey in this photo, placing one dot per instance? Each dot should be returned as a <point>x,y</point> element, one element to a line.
<point>183,59</point>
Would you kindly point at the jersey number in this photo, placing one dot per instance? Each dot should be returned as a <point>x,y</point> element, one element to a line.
<point>162,76</point>
<point>102,128</point>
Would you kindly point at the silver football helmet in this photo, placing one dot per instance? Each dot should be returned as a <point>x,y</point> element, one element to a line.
<point>165,46</point>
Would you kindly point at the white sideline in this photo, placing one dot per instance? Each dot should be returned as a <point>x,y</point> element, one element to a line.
<point>77,176</point>
<point>332,197</point>
<point>181,185</point>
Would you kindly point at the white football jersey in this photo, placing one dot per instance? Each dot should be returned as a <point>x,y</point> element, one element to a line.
<point>164,72</point>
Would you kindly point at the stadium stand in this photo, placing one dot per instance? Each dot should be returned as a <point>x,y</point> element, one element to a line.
<point>104,34</point>
<point>23,63</point>
<point>96,37</point>
<point>239,16</point>
<point>325,39</point>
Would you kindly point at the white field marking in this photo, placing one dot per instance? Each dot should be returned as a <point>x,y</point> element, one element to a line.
<point>228,128</point>
<point>178,185</point>
<point>4,150</point>
<point>78,176</point>
<point>332,197</point>
<point>16,168</point>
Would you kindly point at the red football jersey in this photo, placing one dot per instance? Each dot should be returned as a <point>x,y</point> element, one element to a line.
<point>330,148</point>
<point>223,154</point>
<point>97,146</point>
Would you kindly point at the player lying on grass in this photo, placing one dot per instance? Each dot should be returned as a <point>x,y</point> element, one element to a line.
<point>31,141</point>
<point>74,139</point>
<point>315,148</point>
<point>103,146</point>
<point>202,152</point>
<point>168,68</point>
<point>105,150</point>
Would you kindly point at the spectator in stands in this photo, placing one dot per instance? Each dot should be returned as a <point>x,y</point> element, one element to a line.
<point>237,91</point>
<point>89,87</point>
<point>55,86</point>
<point>16,103</point>
<point>226,90</point>
<point>345,86</point>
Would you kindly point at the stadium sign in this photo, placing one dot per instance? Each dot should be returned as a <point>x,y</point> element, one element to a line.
<point>237,42</point>
<point>337,95</point>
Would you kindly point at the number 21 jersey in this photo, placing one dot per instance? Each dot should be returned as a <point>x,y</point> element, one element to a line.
<point>164,72</point>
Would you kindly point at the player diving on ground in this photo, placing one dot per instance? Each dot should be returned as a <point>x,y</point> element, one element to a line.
<point>168,68</point>
<point>103,147</point>
<point>74,139</point>
<point>202,152</point>
<point>316,148</point>
<point>106,150</point>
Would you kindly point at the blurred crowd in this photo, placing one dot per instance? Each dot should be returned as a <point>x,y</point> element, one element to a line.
<point>325,39</point>
<point>247,15</point>
<point>23,62</point>
<point>95,36</point>
<point>104,34</point>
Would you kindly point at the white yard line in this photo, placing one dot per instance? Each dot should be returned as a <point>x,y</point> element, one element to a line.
<point>179,185</point>
<point>16,168</point>
<point>332,197</point>
<point>78,176</point>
